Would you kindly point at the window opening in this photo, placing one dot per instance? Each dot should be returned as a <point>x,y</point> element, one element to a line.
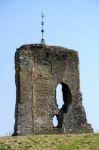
<point>55,121</point>
<point>63,101</point>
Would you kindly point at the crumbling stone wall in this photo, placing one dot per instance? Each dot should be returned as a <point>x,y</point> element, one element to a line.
<point>39,69</point>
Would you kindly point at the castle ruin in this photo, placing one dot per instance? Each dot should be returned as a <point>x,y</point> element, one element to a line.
<point>39,69</point>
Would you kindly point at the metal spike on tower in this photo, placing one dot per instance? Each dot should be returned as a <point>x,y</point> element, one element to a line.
<point>42,31</point>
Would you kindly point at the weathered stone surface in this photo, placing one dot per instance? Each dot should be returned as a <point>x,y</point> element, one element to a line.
<point>39,69</point>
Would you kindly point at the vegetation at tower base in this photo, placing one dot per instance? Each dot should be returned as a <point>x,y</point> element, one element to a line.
<point>51,142</point>
<point>39,69</point>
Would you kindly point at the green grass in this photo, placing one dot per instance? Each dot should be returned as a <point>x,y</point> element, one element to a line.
<point>51,142</point>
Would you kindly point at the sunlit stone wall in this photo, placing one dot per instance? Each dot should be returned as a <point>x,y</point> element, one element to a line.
<point>39,69</point>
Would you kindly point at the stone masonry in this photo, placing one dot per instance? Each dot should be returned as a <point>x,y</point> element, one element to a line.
<point>39,69</point>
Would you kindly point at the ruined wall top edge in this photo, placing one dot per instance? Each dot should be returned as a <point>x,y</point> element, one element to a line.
<point>52,50</point>
<point>29,46</point>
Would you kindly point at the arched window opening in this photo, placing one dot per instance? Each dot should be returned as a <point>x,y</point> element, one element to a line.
<point>63,101</point>
<point>63,97</point>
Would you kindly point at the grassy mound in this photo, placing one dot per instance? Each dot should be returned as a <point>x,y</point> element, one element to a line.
<point>51,142</point>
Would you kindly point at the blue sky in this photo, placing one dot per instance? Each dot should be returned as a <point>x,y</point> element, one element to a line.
<point>69,23</point>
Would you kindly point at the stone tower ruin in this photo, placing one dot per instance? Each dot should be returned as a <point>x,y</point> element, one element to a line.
<point>39,69</point>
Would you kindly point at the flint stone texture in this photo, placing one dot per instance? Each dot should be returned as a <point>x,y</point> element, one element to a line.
<point>39,69</point>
